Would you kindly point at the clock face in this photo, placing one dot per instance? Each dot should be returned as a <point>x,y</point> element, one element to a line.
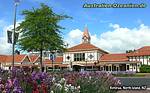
<point>91,56</point>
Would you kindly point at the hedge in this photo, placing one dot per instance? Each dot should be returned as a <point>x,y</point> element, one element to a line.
<point>145,69</point>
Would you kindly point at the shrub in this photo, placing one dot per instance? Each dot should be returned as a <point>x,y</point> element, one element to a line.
<point>145,69</point>
<point>22,81</point>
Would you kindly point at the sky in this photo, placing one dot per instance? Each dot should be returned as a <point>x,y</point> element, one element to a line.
<point>112,29</point>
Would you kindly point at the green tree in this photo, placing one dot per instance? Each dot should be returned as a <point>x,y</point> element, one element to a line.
<point>41,31</point>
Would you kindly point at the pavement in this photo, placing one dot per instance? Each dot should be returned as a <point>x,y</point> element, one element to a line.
<point>138,82</point>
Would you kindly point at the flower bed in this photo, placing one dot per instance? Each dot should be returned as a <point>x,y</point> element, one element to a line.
<point>23,81</point>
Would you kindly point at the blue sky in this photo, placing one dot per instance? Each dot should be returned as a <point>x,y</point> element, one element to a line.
<point>98,20</point>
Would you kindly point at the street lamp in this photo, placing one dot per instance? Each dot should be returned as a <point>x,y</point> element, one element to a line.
<point>13,37</point>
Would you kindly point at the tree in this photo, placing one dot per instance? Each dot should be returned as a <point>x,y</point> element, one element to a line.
<point>40,30</point>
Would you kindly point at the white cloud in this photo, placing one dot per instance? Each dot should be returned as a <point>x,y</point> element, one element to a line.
<point>75,34</point>
<point>119,39</point>
<point>6,48</point>
<point>74,37</point>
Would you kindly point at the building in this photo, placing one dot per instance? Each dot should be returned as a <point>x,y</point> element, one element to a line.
<point>89,57</point>
<point>118,62</point>
<point>84,56</point>
<point>19,61</point>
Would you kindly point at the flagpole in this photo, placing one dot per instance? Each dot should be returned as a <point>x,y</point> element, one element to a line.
<point>13,38</point>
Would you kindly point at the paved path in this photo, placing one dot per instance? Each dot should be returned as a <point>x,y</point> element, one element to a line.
<point>135,81</point>
<point>134,91</point>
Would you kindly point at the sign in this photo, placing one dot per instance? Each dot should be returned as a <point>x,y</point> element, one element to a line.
<point>52,57</point>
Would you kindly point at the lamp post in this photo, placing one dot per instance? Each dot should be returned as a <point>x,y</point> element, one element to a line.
<point>13,34</point>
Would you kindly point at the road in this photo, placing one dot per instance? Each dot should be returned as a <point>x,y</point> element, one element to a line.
<point>135,81</point>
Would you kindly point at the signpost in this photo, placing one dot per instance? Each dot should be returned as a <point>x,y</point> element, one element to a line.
<point>52,58</point>
<point>13,38</point>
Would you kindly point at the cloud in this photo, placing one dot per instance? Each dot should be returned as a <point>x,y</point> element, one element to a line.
<point>75,34</point>
<point>119,39</point>
<point>73,37</point>
<point>6,48</point>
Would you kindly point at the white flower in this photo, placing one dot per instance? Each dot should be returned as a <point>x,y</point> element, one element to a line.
<point>52,92</point>
<point>69,85</point>
<point>62,80</point>
<point>66,89</point>
<point>78,87</point>
<point>72,88</point>
<point>53,79</point>
<point>90,77</point>
<point>59,86</point>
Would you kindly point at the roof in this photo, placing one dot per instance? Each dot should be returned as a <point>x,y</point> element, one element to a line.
<point>2,58</point>
<point>17,58</point>
<point>145,48</point>
<point>33,58</point>
<point>144,51</point>
<point>114,58</point>
<point>58,62</point>
<point>86,33</point>
<point>84,47</point>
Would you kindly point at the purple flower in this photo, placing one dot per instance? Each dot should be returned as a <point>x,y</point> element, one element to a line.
<point>15,82</point>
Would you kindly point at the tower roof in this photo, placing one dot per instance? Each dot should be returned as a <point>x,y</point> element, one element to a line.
<point>86,33</point>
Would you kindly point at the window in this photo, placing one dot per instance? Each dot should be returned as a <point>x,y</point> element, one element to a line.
<point>79,57</point>
<point>127,67</point>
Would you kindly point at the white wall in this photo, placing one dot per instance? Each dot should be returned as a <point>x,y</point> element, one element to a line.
<point>96,55</point>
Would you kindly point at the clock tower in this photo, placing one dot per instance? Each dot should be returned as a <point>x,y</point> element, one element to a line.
<point>86,37</point>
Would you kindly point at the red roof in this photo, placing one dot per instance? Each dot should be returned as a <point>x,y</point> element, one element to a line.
<point>58,60</point>
<point>17,58</point>
<point>144,51</point>
<point>114,58</point>
<point>84,47</point>
<point>145,48</point>
<point>2,58</point>
<point>9,58</point>
<point>33,58</point>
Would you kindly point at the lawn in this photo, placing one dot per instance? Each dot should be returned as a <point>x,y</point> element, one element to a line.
<point>130,75</point>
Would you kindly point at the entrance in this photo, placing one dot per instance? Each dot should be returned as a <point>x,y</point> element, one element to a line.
<point>76,68</point>
<point>122,67</point>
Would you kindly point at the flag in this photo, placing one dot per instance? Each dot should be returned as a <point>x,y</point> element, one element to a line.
<point>9,36</point>
<point>16,37</point>
<point>17,2</point>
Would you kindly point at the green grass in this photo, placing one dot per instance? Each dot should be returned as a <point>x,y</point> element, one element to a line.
<point>133,75</point>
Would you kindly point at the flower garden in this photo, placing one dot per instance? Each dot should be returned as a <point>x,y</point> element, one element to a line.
<point>25,81</point>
